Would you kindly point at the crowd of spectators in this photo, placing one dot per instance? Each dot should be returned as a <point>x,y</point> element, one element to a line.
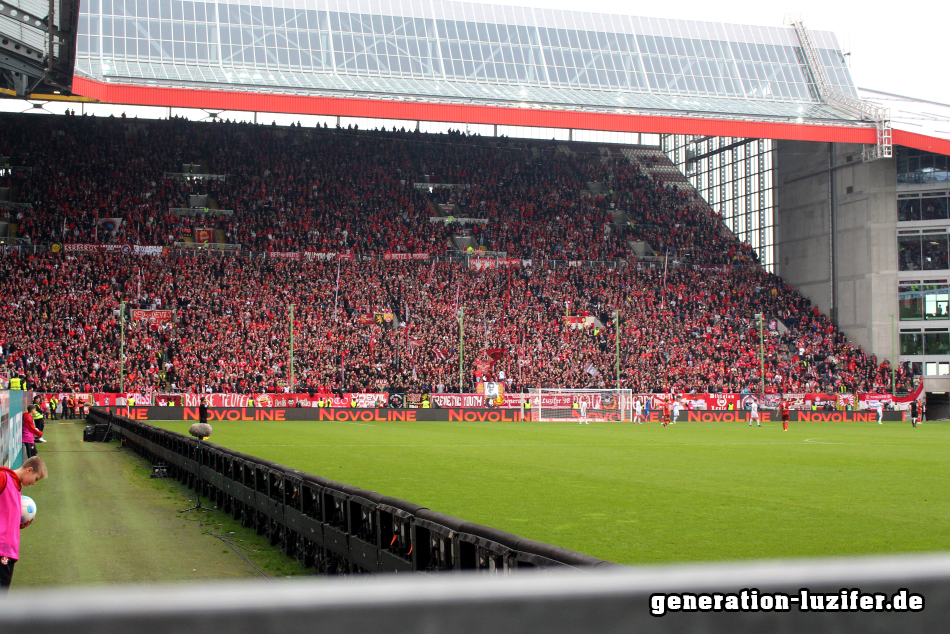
<point>686,324</point>
<point>394,325</point>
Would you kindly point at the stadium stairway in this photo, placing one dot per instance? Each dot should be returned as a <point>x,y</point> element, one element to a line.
<point>462,243</point>
<point>641,248</point>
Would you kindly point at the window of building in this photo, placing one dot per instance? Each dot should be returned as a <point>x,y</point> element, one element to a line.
<point>912,342</point>
<point>919,167</point>
<point>933,248</point>
<point>910,298</point>
<point>908,251</point>
<point>938,368</point>
<point>936,341</point>
<point>936,296</point>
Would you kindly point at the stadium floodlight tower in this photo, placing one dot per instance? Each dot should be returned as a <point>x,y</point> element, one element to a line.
<point>553,404</point>
<point>759,318</point>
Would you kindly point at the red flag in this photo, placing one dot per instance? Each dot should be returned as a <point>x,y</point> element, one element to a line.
<point>497,353</point>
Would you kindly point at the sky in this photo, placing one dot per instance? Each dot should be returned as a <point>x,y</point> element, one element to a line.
<point>897,51</point>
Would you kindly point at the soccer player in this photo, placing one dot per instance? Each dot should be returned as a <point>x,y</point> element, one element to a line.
<point>754,414</point>
<point>676,412</point>
<point>11,484</point>
<point>583,420</point>
<point>879,408</point>
<point>665,416</point>
<point>913,413</point>
<point>784,407</point>
<point>638,417</point>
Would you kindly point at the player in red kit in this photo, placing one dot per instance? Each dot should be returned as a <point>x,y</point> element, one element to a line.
<point>784,407</point>
<point>665,418</point>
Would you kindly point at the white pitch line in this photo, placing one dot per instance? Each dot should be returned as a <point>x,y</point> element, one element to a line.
<point>813,441</point>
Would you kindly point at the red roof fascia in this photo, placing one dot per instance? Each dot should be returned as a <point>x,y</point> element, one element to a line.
<point>921,142</point>
<point>463,113</point>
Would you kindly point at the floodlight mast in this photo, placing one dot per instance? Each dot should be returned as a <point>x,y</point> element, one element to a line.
<point>761,353</point>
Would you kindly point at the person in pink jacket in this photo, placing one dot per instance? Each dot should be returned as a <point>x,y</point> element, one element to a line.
<point>12,482</point>
<point>30,433</point>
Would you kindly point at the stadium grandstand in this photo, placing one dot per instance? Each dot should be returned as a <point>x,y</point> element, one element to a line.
<point>449,252</point>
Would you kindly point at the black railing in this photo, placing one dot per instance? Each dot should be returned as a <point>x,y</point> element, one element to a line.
<point>331,527</point>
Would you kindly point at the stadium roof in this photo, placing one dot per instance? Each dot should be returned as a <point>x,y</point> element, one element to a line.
<point>467,63</point>
<point>927,121</point>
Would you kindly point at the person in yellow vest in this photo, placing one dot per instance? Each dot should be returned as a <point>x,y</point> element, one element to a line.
<point>576,405</point>
<point>527,404</point>
<point>353,402</point>
<point>131,401</point>
<point>250,401</point>
<point>425,401</point>
<point>53,402</point>
<point>15,383</point>
<point>38,416</point>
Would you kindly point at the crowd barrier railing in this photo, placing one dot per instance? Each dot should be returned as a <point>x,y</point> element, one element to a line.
<point>329,526</point>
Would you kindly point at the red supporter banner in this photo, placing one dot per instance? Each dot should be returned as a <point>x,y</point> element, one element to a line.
<point>329,255</point>
<point>153,316</point>
<point>405,256</point>
<point>204,235</point>
<point>368,399</point>
<point>98,248</point>
<point>286,255</point>
<point>126,249</point>
<point>152,250</point>
<point>716,268</point>
<point>479,264</point>
<point>510,401</point>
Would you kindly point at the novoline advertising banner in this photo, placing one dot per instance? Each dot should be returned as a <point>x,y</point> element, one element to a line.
<point>468,414</point>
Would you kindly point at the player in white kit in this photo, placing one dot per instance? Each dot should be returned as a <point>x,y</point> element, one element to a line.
<point>638,406</point>
<point>583,420</point>
<point>879,408</point>
<point>754,414</point>
<point>675,412</point>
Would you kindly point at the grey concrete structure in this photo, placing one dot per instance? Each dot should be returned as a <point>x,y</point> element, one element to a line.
<point>836,235</point>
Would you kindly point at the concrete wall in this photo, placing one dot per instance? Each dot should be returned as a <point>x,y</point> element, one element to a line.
<point>849,272</point>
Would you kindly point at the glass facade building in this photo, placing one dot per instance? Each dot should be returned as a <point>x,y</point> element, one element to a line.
<point>923,251</point>
<point>459,51</point>
<point>735,176</point>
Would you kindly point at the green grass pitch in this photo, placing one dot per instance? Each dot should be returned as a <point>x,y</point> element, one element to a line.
<point>644,493</point>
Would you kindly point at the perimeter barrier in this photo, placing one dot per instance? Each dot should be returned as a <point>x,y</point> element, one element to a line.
<point>332,527</point>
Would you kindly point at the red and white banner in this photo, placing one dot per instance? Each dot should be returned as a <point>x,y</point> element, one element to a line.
<point>286,255</point>
<point>98,248</point>
<point>151,250</point>
<point>127,249</point>
<point>405,256</point>
<point>480,264</point>
<point>369,399</point>
<point>203,235</point>
<point>153,316</point>
<point>510,401</point>
<point>329,255</point>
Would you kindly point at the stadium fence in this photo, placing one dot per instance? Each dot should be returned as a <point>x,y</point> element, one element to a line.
<point>332,527</point>
<point>555,602</point>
